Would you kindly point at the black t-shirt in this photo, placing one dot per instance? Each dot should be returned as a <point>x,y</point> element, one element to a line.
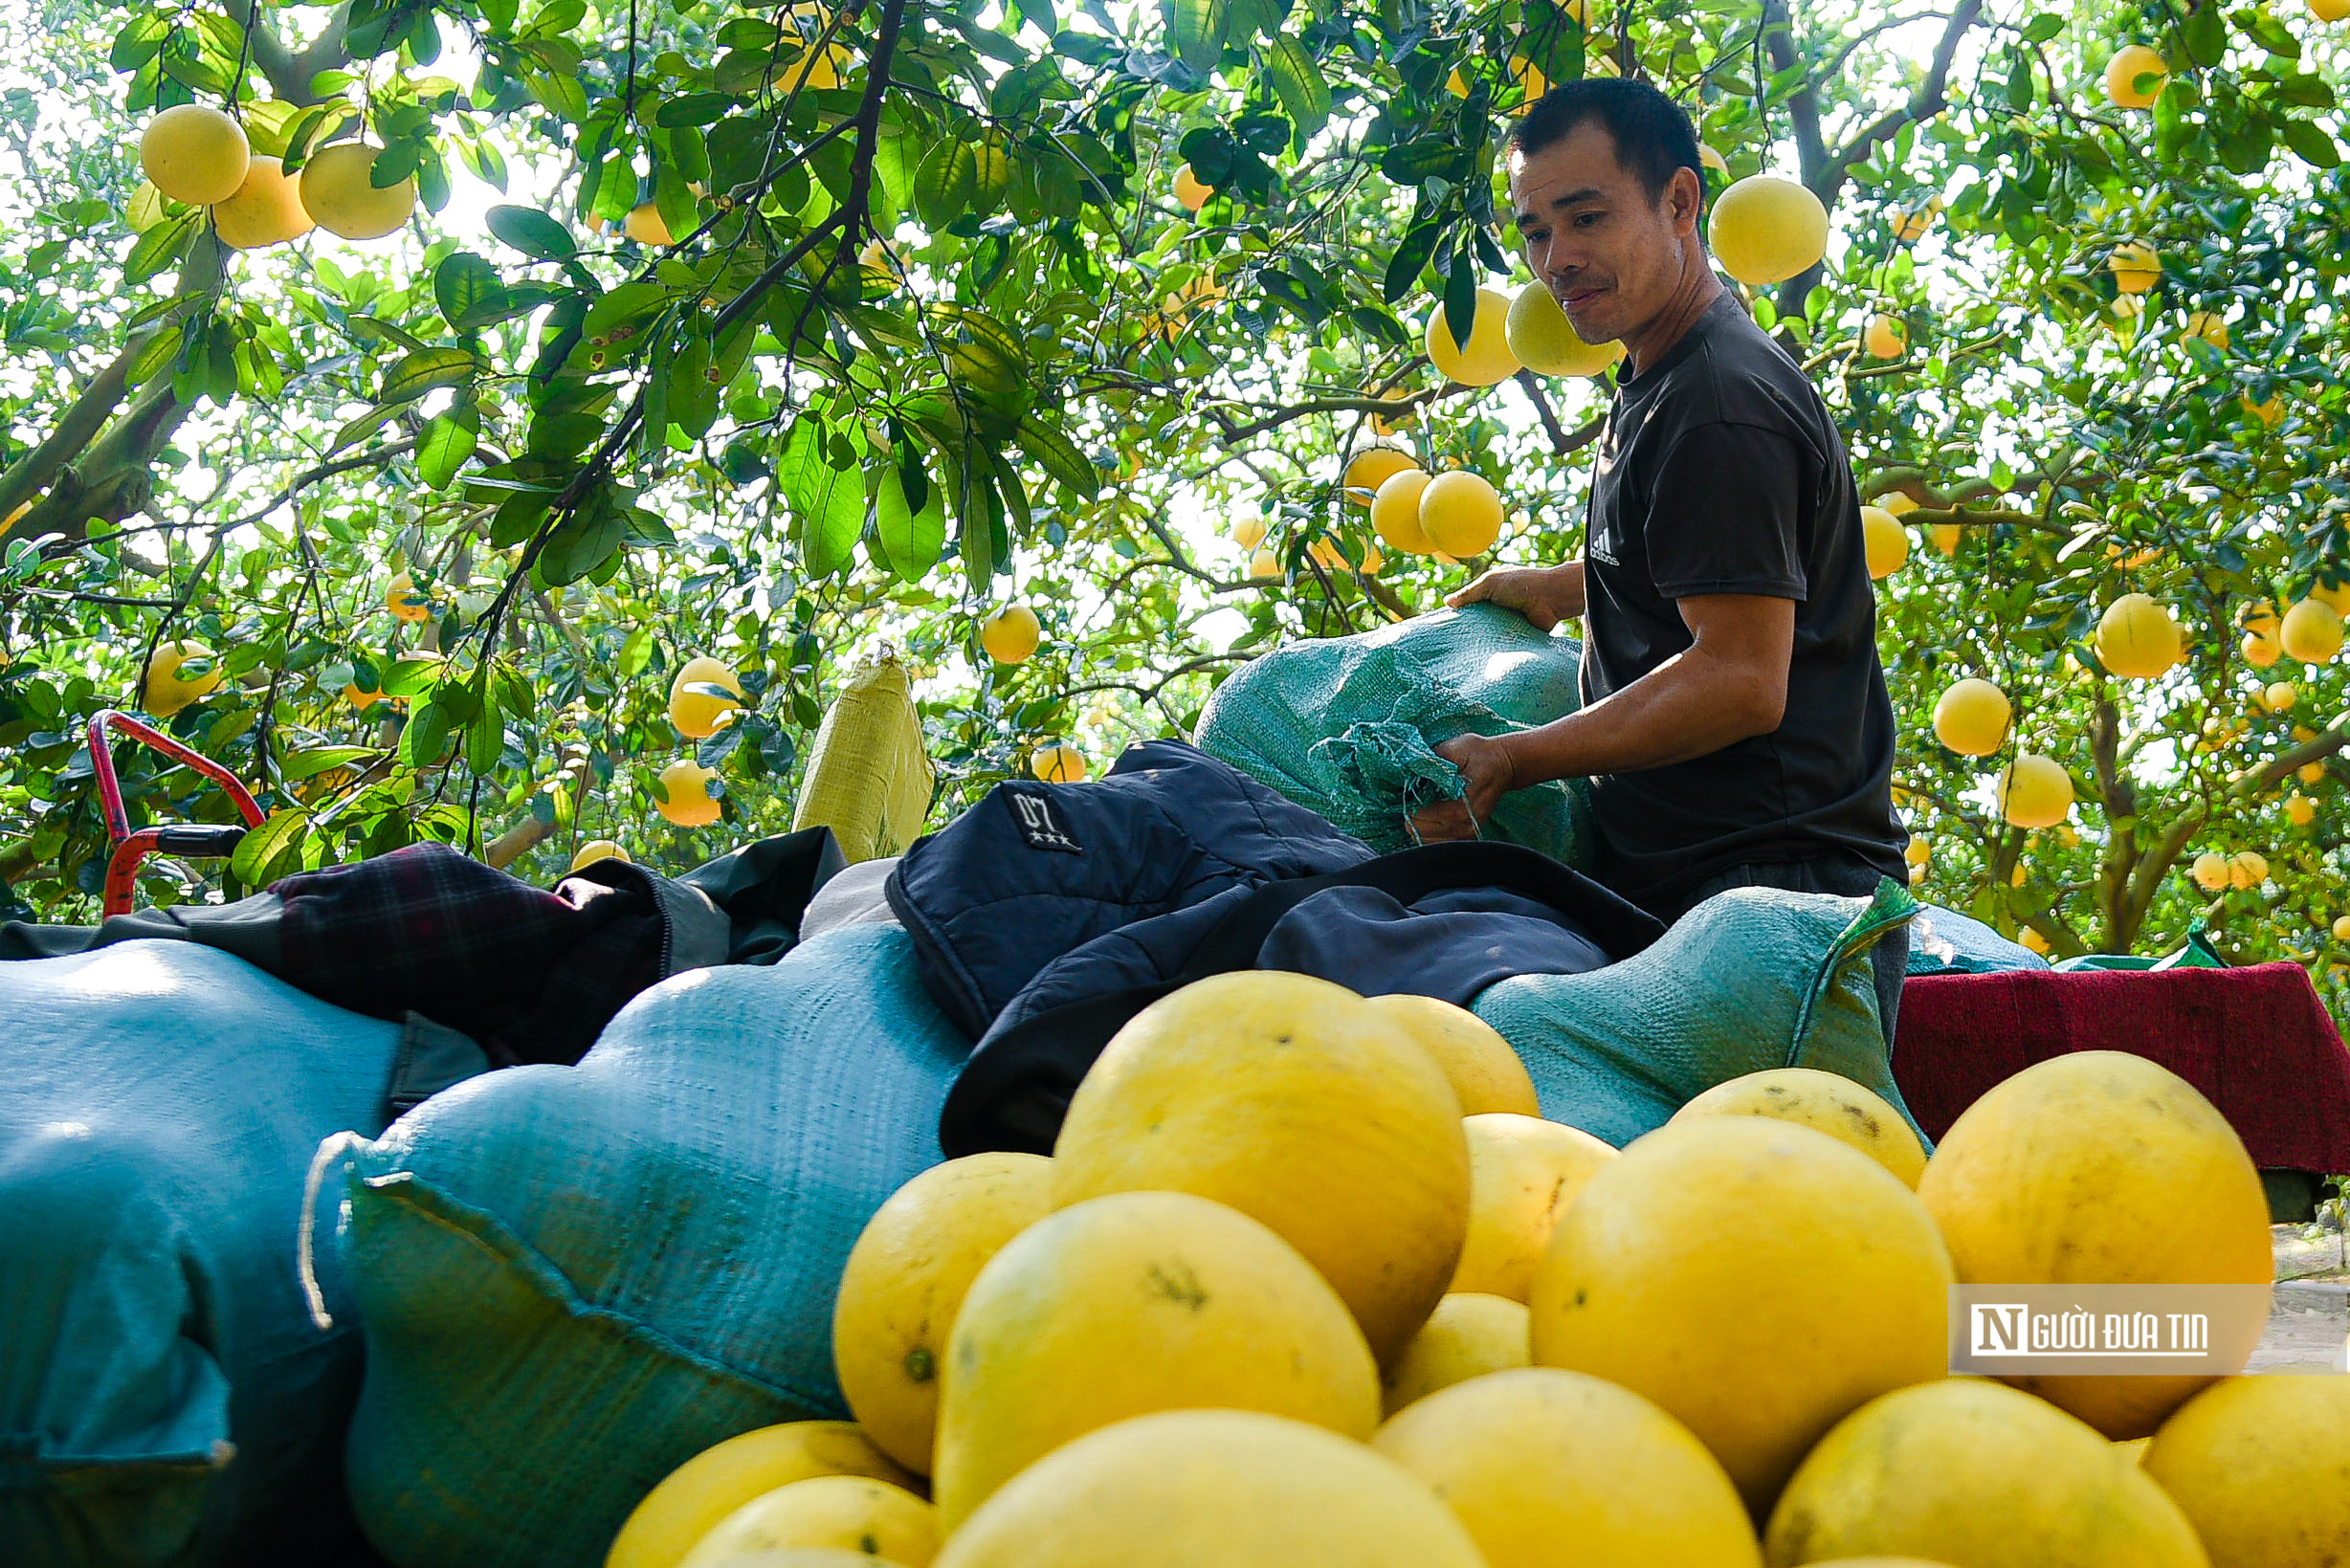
<point>1720,471</point>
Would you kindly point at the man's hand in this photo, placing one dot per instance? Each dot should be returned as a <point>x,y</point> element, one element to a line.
<point>1486,775</point>
<point>1544,595</point>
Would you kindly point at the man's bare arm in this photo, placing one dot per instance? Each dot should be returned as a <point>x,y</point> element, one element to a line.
<point>1729,684</point>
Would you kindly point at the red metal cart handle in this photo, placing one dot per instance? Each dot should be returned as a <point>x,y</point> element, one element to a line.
<point>131,848</point>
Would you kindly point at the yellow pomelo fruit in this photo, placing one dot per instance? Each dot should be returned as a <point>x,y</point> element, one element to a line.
<point>1966,1471</point>
<point>1460,513</point>
<point>1485,358</point>
<point>1332,557</point>
<point>2329,10</point>
<point>2299,809</point>
<point>698,715</point>
<point>1544,340</point>
<point>337,192</point>
<point>1886,338</point>
<point>1918,852</point>
<point>1212,1488</point>
<point>405,601</point>
<point>2130,62</point>
<point>1191,192</point>
<point>2137,268</point>
<point>1468,1336</point>
<point>1884,540</point>
<point>2341,928</point>
<point>2268,411</point>
<point>1059,763</point>
<point>1372,467</point>
<point>1971,718</point>
<point>1765,230</point>
<point>1897,501</point>
<point>645,225</point>
<point>2247,869</point>
<point>2278,696</point>
<point>819,71</point>
<point>595,849</point>
<point>1910,227</point>
<point>808,1557</point>
<point>166,690</point>
<point>2137,638</point>
<point>2208,326</point>
<point>1826,1102</point>
<point>2135,1448</point>
<point>905,1280</point>
<point>2310,772</point>
<point>2310,632</point>
<point>1130,1303</point>
<point>194,153</point>
<point>1249,533</point>
<point>360,699</point>
<point>1709,158</point>
<point>1556,1469</point>
<point>1949,537</point>
<point>2260,650</point>
<point>690,803</point>
<point>850,1512</point>
<point>1300,1105</point>
<point>2101,1167</point>
<point>1011,633</point>
<point>1841,1283</point>
<point>2034,791</point>
<point>1395,511</point>
<point>1484,1071</point>
<point>2334,596</point>
<point>1523,1172</point>
<point>266,209</point>
<point>2210,872</point>
<point>1264,564</point>
<point>698,1494</point>
<point>2029,937</point>
<point>2259,617</point>
<point>2261,1468</point>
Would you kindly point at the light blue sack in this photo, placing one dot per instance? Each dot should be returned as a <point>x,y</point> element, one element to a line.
<point>1942,941</point>
<point>165,1396</point>
<point>1750,979</point>
<point>573,1279</point>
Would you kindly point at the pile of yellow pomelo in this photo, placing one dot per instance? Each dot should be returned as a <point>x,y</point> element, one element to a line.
<point>1308,1281</point>
<point>198,155</point>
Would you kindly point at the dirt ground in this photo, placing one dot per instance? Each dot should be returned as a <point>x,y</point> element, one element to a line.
<point>2309,1322</point>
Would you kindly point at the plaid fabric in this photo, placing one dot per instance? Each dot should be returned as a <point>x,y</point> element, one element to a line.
<point>530,975</point>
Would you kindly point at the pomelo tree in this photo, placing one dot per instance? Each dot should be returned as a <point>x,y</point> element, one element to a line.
<point>774,334</point>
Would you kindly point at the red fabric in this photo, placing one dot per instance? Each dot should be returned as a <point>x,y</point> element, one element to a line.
<point>2255,1041</point>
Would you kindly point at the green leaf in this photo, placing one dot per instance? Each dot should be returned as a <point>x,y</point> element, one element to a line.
<point>463,285</point>
<point>1410,260</point>
<point>2205,34</point>
<point>1058,455</point>
<point>270,850</point>
<point>447,442</point>
<point>694,109</point>
<point>1298,85</point>
<point>828,503</point>
<point>1198,30</point>
<point>912,537</point>
<point>413,675</point>
<point>313,760</point>
<point>2310,142</point>
<point>532,232</point>
<point>420,373</point>
<point>160,247</point>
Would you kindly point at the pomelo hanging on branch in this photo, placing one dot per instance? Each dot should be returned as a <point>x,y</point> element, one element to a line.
<point>1485,358</point>
<point>1766,230</point>
<point>194,153</point>
<point>1540,335</point>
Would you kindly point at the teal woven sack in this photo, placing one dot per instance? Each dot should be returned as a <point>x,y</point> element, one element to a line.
<point>1750,979</point>
<point>1348,726</point>
<point>573,1279</point>
<point>1942,941</point>
<point>165,1396</point>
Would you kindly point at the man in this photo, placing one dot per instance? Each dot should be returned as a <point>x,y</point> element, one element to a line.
<point>1735,726</point>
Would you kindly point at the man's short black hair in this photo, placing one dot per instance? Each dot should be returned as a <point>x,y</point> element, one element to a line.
<point>1652,134</point>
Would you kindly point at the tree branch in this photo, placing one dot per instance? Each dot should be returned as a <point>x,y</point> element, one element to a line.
<point>290,72</point>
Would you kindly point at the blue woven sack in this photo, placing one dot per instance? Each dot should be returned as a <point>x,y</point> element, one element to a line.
<point>1750,979</point>
<point>572,1279</point>
<point>164,1395</point>
<point>1942,941</point>
<point>1348,726</point>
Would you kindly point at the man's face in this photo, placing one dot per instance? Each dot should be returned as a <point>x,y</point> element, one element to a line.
<point>1609,255</point>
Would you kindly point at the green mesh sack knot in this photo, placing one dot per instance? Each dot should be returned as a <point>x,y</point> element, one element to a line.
<point>1750,979</point>
<point>1348,726</point>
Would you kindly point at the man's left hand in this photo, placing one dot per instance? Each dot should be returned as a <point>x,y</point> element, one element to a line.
<point>1486,775</point>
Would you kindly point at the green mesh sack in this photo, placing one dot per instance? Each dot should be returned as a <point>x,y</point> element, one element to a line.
<point>1751,978</point>
<point>1348,726</point>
